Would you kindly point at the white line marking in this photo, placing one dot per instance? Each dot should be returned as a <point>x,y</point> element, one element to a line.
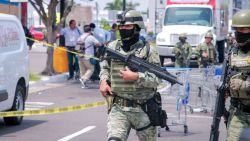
<point>32,108</point>
<point>69,137</point>
<point>39,103</point>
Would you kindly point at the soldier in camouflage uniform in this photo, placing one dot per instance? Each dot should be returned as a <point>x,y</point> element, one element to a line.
<point>182,51</point>
<point>206,52</point>
<point>239,82</point>
<point>129,89</point>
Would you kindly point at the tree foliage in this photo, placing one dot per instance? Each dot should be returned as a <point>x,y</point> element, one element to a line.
<point>117,5</point>
<point>131,5</point>
<point>49,20</point>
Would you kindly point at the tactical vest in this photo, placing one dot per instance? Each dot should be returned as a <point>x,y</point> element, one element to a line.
<point>208,49</point>
<point>240,65</point>
<point>128,89</point>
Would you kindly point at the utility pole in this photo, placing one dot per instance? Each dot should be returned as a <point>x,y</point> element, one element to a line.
<point>124,5</point>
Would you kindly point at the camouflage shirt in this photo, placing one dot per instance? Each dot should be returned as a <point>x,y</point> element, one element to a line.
<point>145,86</point>
<point>240,63</point>
<point>208,48</point>
<point>183,52</point>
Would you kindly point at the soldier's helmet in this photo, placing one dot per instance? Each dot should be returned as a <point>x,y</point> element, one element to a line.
<point>241,19</point>
<point>130,17</point>
<point>209,35</point>
<point>182,36</point>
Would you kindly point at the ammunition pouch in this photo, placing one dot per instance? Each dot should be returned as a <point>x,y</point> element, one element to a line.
<point>153,108</point>
<point>109,100</point>
<point>240,106</point>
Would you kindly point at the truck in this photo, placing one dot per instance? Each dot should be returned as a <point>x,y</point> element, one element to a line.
<point>194,18</point>
<point>14,68</point>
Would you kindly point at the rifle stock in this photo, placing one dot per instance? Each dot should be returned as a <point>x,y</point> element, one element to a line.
<point>139,64</point>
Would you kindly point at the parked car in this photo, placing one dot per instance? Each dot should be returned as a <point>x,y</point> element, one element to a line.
<point>14,68</point>
<point>37,32</point>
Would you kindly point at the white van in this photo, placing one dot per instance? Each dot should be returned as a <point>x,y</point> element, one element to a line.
<point>14,67</point>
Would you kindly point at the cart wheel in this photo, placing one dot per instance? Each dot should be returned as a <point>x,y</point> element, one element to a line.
<point>167,128</point>
<point>204,111</point>
<point>185,129</point>
<point>191,110</point>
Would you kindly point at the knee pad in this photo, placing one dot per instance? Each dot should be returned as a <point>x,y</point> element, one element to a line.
<point>114,139</point>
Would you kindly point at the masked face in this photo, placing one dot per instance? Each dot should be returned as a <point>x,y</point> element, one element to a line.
<point>242,36</point>
<point>182,39</point>
<point>126,31</point>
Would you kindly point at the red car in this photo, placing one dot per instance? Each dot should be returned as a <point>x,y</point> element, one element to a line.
<point>37,32</point>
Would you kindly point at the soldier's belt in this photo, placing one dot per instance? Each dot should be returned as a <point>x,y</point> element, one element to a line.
<point>128,103</point>
<point>240,106</point>
<point>244,108</point>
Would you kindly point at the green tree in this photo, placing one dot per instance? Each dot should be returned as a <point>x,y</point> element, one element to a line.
<point>104,24</point>
<point>49,20</point>
<point>130,5</point>
<point>115,5</point>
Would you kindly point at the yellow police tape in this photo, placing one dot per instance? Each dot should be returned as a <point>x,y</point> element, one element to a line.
<point>62,48</point>
<point>52,110</point>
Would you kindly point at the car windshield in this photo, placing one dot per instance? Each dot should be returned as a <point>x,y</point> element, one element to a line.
<point>38,29</point>
<point>188,16</point>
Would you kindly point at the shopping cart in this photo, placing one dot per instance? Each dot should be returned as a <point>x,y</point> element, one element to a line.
<point>204,83</point>
<point>181,95</point>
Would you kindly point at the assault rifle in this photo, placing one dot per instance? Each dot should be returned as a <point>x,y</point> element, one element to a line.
<point>138,64</point>
<point>220,109</point>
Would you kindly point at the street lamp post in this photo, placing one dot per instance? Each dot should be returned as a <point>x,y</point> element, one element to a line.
<point>124,5</point>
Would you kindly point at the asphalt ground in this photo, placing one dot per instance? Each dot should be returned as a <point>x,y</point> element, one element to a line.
<point>90,124</point>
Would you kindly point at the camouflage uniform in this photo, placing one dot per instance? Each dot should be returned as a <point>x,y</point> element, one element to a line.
<point>183,52</point>
<point>240,80</point>
<point>208,48</point>
<point>122,116</point>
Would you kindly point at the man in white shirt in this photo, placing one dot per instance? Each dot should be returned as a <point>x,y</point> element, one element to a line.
<point>71,34</point>
<point>86,63</point>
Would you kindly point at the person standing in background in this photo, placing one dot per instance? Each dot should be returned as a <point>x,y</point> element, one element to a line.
<point>113,32</point>
<point>103,37</point>
<point>71,34</point>
<point>206,52</point>
<point>183,52</point>
<point>87,43</point>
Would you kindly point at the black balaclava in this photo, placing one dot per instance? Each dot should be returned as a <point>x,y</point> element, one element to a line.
<point>243,41</point>
<point>129,37</point>
<point>182,39</point>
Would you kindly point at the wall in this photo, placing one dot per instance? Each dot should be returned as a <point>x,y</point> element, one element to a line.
<point>81,14</point>
<point>9,8</point>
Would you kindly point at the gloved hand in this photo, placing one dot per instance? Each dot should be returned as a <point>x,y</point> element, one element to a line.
<point>127,74</point>
<point>104,88</point>
<point>204,54</point>
<point>238,84</point>
<point>177,52</point>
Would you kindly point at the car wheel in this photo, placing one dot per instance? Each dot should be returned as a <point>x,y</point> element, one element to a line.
<point>18,105</point>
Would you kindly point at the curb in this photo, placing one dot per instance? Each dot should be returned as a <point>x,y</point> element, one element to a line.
<point>49,79</point>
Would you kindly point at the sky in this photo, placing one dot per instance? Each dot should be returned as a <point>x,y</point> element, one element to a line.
<point>102,3</point>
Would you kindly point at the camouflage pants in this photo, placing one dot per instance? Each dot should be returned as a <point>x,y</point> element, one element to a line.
<point>239,121</point>
<point>121,121</point>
